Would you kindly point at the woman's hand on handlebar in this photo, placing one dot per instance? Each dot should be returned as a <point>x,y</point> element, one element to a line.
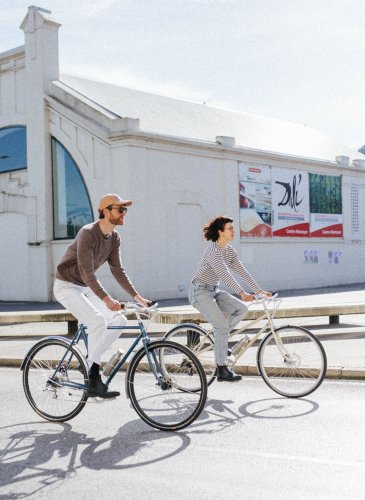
<point>247,297</point>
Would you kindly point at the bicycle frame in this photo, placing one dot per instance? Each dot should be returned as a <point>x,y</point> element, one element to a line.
<point>290,359</point>
<point>143,336</point>
<point>267,315</point>
<point>164,381</point>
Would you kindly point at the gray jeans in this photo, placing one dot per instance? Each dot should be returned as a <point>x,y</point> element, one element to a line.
<point>221,310</point>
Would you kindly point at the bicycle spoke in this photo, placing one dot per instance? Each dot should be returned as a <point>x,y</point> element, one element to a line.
<point>200,343</point>
<point>46,380</point>
<point>303,367</point>
<point>168,402</point>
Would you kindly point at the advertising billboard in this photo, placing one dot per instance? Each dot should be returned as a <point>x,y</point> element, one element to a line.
<point>325,201</point>
<point>255,200</point>
<point>290,203</point>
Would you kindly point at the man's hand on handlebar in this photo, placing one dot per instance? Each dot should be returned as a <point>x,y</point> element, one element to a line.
<point>112,304</point>
<point>267,294</point>
<point>142,301</point>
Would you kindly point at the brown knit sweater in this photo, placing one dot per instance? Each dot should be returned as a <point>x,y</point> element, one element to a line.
<point>90,249</point>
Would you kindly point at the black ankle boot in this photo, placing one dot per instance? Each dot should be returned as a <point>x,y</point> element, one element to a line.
<point>226,374</point>
<point>97,389</point>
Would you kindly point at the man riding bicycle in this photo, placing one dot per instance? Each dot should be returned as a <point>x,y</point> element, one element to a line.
<point>78,289</point>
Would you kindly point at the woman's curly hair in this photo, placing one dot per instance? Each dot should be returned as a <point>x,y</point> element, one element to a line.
<point>217,224</point>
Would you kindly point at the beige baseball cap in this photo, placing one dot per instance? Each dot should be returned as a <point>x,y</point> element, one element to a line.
<point>113,199</point>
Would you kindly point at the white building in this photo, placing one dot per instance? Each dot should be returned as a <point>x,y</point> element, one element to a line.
<point>65,141</point>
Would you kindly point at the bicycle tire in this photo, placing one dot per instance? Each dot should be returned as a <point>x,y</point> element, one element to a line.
<point>45,381</point>
<point>304,368</point>
<point>167,404</point>
<point>200,342</point>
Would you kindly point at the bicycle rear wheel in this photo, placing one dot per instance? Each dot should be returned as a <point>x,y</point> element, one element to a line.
<point>165,394</point>
<point>294,363</point>
<point>200,342</point>
<point>54,379</point>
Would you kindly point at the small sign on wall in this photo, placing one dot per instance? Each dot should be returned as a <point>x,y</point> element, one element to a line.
<point>311,257</point>
<point>334,256</point>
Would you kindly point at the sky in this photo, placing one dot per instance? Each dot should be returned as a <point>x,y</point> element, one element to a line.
<point>297,60</point>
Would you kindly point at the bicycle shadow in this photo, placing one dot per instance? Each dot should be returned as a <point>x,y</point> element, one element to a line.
<point>28,452</point>
<point>221,415</point>
<point>32,447</point>
<point>134,445</point>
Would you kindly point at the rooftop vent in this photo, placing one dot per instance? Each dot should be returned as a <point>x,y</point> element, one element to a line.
<point>343,160</point>
<point>224,140</point>
<point>359,163</point>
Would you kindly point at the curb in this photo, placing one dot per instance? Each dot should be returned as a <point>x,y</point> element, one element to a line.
<point>333,372</point>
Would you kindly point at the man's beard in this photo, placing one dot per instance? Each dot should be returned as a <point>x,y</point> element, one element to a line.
<point>116,221</point>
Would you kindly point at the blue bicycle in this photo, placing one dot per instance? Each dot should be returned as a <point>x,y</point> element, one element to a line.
<point>161,379</point>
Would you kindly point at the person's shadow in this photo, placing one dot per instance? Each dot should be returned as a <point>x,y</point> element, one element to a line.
<point>28,454</point>
<point>31,448</point>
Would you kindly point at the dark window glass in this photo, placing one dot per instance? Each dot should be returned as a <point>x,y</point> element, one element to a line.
<point>13,149</point>
<point>71,203</point>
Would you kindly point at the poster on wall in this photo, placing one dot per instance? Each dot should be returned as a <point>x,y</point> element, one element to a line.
<point>290,203</point>
<point>255,200</point>
<point>325,203</point>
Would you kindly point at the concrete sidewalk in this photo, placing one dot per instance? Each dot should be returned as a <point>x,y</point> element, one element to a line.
<point>344,343</point>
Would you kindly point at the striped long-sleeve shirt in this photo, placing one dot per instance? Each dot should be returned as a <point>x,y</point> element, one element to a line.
<point>216,265</point>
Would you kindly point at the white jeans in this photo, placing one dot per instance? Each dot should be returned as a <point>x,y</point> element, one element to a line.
<point>91,312</point>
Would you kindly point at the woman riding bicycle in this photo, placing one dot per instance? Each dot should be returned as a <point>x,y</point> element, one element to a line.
<point>221,309</point>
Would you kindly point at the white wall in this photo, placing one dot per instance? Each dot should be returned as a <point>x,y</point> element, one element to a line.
<point>14,281</point>
<point>176,187</point>
<point>175,191</point>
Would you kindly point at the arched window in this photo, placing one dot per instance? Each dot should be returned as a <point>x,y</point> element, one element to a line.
<point>71,202</point>
<point>13,149</point>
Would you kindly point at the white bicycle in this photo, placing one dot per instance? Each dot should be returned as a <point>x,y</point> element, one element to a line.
<point>290,359</point>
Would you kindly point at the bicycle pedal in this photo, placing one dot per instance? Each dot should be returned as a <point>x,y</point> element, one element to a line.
<point>97,400</point>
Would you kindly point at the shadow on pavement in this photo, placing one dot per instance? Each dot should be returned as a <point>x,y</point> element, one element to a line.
<point>31,451</point>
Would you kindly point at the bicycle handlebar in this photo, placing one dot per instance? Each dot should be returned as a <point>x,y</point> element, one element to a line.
<point>265,298</point>
<point>136,307</point>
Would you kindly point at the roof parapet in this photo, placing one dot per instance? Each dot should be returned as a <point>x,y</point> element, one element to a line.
<point>121,125</point>
<point>93,113</point>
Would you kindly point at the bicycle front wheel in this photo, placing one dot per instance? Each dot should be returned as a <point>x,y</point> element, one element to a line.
<point>162,384</point>
<point>292,362</point>
<point>200,342</point>
<point>54,379</point>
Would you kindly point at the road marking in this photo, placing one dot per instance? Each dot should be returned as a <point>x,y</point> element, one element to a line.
<point>347,463</point>
<point>305,459</point>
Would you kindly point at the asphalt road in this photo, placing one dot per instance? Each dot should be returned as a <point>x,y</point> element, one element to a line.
<point>249,443</point>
